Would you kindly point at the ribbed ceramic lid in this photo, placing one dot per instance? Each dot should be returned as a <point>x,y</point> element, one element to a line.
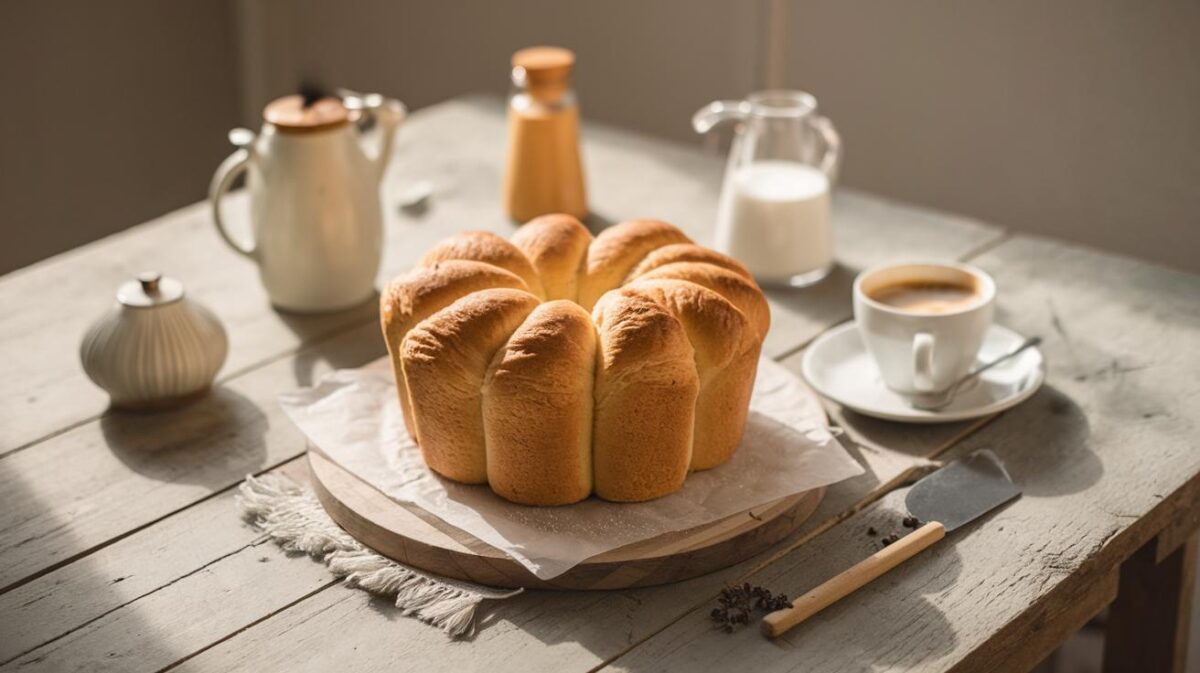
<point>290,115</point>
<point>543,65</point>
<point>150,289</point>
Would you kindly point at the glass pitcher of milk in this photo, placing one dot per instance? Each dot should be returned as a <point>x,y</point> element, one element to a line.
<point>774,210</point>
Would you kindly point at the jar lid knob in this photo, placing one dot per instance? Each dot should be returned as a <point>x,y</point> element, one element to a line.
<point>149,289</point>
<point>149,281</point>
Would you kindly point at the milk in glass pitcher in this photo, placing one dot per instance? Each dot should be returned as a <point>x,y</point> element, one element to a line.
<point>774,209</point>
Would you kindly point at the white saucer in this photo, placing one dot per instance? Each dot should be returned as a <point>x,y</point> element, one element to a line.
<point>838,366</point>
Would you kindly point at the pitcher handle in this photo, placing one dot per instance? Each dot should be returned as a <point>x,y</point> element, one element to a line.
<point>719,112</point>
<point>388,113</point>
<point>233,166</point>
<point>831,163</point>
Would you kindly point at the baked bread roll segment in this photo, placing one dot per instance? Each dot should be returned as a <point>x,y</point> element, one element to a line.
<point>420,293</point>
<point>645,397</point>
<point>484,246</point>
<point>722,340</point>
<point>537,408</point>
<point>557,246</point>
<point>444,360</point>
<point>739,290</point>
<point>617,250</point>
<point>722,408</point>
<point>687,252</point>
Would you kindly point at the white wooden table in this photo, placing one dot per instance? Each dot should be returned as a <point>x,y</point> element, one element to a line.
<point>121,549</point>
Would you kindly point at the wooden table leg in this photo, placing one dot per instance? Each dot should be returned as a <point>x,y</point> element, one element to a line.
<point>1148,622</point>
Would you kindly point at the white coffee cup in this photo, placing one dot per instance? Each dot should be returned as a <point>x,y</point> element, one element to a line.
<point>923,323</point>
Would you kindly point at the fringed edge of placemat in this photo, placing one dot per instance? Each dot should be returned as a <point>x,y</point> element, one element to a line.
<point>293,517</point>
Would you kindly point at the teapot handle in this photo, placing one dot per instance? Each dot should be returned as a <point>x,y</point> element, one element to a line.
<point>831,163</point>
<point>718,112</point>
<point>233,166</point>
<point>388,113</point>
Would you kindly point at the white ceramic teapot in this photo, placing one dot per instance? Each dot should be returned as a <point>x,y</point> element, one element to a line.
<point>317,227</point>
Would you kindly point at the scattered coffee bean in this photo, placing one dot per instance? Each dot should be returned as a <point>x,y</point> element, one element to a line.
<point>889,539</point>
<point>872,532</point>
<point>737,604</point>
<point>911,522</point>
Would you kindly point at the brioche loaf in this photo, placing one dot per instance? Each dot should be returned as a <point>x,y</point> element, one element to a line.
<point>559,365</point>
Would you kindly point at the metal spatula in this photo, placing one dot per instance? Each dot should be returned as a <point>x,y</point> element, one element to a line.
<point>954,496</point>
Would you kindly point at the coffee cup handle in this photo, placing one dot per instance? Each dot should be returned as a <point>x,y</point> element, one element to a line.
<point>922,351</point>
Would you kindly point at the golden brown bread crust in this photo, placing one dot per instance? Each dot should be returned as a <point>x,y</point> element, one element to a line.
<point>618,249</point>
<point>687,252</point>
<point>645,397</point>
<point>741,292</point>
<point>484,246</point>
<point>722,408</point>
<point>557,246</point>
<point>420,293</point>
<point>548,403</point>
<point>723,339</point>
<point>444,360</point>
<point>537,408</point>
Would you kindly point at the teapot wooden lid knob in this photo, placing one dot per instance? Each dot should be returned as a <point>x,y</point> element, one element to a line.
<point>294,114</point>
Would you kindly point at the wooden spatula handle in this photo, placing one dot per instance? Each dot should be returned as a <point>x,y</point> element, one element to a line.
<point>862,573</point>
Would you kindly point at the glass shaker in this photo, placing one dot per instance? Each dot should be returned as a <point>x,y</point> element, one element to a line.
<point>774,209</point>
<point>544,174</point>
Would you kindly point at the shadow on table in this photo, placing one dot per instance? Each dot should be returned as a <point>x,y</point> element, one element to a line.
<point>1043,443</point>
<point>1049,424</point>
<point>317,334</point>
<point>195,444</point>
<point>833,292</point>
<point>38,614</point>
<point>918,441</point>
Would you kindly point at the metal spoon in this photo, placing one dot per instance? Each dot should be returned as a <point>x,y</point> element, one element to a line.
<point>935,401</point>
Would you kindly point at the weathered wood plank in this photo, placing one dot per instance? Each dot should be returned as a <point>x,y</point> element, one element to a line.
<point>459,145</point>
<point>127,570</point>
<point>165,628</point>
<point>1106,456</point>
<point>609,616</point>
<point>104,479</point>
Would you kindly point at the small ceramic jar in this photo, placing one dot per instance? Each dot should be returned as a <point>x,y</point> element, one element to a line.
<point>155,348</point>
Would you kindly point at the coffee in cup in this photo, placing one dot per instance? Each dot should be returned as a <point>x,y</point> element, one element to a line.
<point>926,297</point>
<point>923,323</point>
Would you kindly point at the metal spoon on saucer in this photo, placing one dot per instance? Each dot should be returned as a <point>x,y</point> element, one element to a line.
<point>935,401</point>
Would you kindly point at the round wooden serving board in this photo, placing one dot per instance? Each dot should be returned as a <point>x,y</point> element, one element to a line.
<point>419,539</point>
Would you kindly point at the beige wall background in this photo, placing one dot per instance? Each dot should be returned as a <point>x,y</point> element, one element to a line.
<point>1074,118</point>
<point>1079,118</point>
<point>111,114</point>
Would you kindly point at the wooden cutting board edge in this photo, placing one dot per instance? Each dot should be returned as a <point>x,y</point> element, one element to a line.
<point>413,537</point>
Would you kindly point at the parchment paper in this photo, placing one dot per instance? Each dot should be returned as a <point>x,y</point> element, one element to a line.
<point>353,417</point>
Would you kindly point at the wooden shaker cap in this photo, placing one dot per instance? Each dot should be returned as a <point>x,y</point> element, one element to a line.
<point>544,65</point>
<point>289,115</point>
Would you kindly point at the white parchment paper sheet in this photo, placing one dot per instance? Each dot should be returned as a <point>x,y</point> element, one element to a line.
<point>353,417</point>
